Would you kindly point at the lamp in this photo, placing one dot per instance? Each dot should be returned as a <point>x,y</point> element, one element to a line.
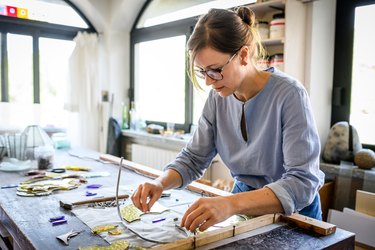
<point>16,145</point>
<point>36,137</point>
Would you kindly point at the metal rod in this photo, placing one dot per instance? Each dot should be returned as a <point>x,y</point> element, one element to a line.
<point>119,212</point>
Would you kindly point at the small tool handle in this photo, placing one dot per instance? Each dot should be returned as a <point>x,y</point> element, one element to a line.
<point>123,196</point>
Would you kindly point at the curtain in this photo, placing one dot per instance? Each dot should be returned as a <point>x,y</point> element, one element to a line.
<point>83,94</point>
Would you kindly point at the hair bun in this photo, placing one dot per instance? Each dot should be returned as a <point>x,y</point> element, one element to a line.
<point>247,15</point>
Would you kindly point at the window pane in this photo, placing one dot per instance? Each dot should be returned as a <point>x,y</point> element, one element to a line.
<point>1,63</point>
<point>51,11</point>
<point>199,100</point>
<point>362,110</point>
<point>20,65</point>
<point>54,63</point>
<point>160,79</point>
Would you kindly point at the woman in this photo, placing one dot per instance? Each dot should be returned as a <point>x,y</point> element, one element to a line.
<point>259,122</point>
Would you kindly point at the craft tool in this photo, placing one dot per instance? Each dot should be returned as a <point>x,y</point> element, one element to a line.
<point>35,172</point>
<point>77,168</point>
<point>94,186</point>
<point>10,186</point>
<point>90,194</point>
<point>69,206</point>
<point>57,218</point>
<point>119,212</point>
<point>158,220</point>
<point>58,170</point>
<point>65,237</point>
<point>165,194</point>
<point>95,174</point>
<point>59,222</point>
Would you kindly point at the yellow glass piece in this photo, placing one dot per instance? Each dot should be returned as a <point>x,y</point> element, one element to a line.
<point>103,228</point>
<point>131,213</point>
<point>77,168</point>
<point>117,245</point>
<point>115,232</point>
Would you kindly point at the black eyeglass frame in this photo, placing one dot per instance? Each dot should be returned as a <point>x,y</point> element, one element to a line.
<point>212,72</point>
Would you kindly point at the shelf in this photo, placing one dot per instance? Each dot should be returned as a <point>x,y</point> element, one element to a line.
<point>272,5</point>
<point>270,42</point>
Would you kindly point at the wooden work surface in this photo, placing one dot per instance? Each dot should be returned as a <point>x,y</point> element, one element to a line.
<point>26,218</point>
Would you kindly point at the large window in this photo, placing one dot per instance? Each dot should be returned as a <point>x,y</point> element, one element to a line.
<point>160,87</point>
<point>35,46</point>
<point>165,71</point>
<point>20,68</point>
<point>354,74</point>
<point>54,64</point>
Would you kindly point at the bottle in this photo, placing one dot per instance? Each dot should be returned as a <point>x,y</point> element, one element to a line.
<point>133,117</point>
<point>125,117</point>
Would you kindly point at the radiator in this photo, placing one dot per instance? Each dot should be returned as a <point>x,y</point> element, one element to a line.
<point>155,157</point>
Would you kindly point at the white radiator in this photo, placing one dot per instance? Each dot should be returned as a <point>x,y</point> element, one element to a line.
<point>152,157</point>
<point>155,157</point>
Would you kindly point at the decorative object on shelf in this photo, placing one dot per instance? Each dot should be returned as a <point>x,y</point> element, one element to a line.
<point>16,146</point>
<point>342,143</point>
<point>36,137</point>
<point>365,158</point>
<point>3,147</point>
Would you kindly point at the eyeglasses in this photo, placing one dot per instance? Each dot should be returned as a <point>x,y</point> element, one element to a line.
<point>214,74</point>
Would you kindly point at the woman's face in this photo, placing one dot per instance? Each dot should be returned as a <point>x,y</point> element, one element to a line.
<point>210,59</point>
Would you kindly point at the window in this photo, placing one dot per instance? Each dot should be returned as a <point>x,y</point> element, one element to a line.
<point>354,71</point>
<point>165,71</point>
<point>54,58</point>
<point>36,42</point>
<point>160,86</point>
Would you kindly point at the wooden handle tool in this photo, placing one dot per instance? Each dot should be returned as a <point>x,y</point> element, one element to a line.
<point>69,206</point>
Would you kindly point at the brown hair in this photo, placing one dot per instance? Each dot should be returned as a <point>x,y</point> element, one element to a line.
<point>225,31</point>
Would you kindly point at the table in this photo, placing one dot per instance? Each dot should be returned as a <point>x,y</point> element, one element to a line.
<point>26,218</point>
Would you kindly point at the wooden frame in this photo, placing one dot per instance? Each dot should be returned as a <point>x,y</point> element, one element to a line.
<point>319,227</point>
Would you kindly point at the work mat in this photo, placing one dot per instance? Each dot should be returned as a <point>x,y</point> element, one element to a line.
<point>157,226</point>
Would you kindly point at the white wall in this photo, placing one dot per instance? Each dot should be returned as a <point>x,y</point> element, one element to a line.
<point>319,61</point>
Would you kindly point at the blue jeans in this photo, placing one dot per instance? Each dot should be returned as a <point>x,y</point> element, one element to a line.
<point>313,210</point>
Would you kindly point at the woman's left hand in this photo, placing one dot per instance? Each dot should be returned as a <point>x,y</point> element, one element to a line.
<point>206,212</point>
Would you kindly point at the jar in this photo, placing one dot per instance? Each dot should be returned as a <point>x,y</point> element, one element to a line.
<point>277,61</point>
<point>277,26</point>
<point>264,30</point>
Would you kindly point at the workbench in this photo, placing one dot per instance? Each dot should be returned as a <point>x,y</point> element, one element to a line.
<point>25,219</point>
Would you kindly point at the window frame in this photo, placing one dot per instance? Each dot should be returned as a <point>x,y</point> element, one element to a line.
<point>175,28</point>
<point>35,29</point>
<point>343,60</point>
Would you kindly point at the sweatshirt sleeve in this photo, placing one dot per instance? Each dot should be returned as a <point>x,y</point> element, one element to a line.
<point>196,157</point>
<point>301,149</point>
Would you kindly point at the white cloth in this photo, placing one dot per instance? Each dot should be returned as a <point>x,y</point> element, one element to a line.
<point>83,95</point>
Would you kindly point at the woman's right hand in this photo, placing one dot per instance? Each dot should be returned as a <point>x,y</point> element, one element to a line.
<point>146,195</point>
